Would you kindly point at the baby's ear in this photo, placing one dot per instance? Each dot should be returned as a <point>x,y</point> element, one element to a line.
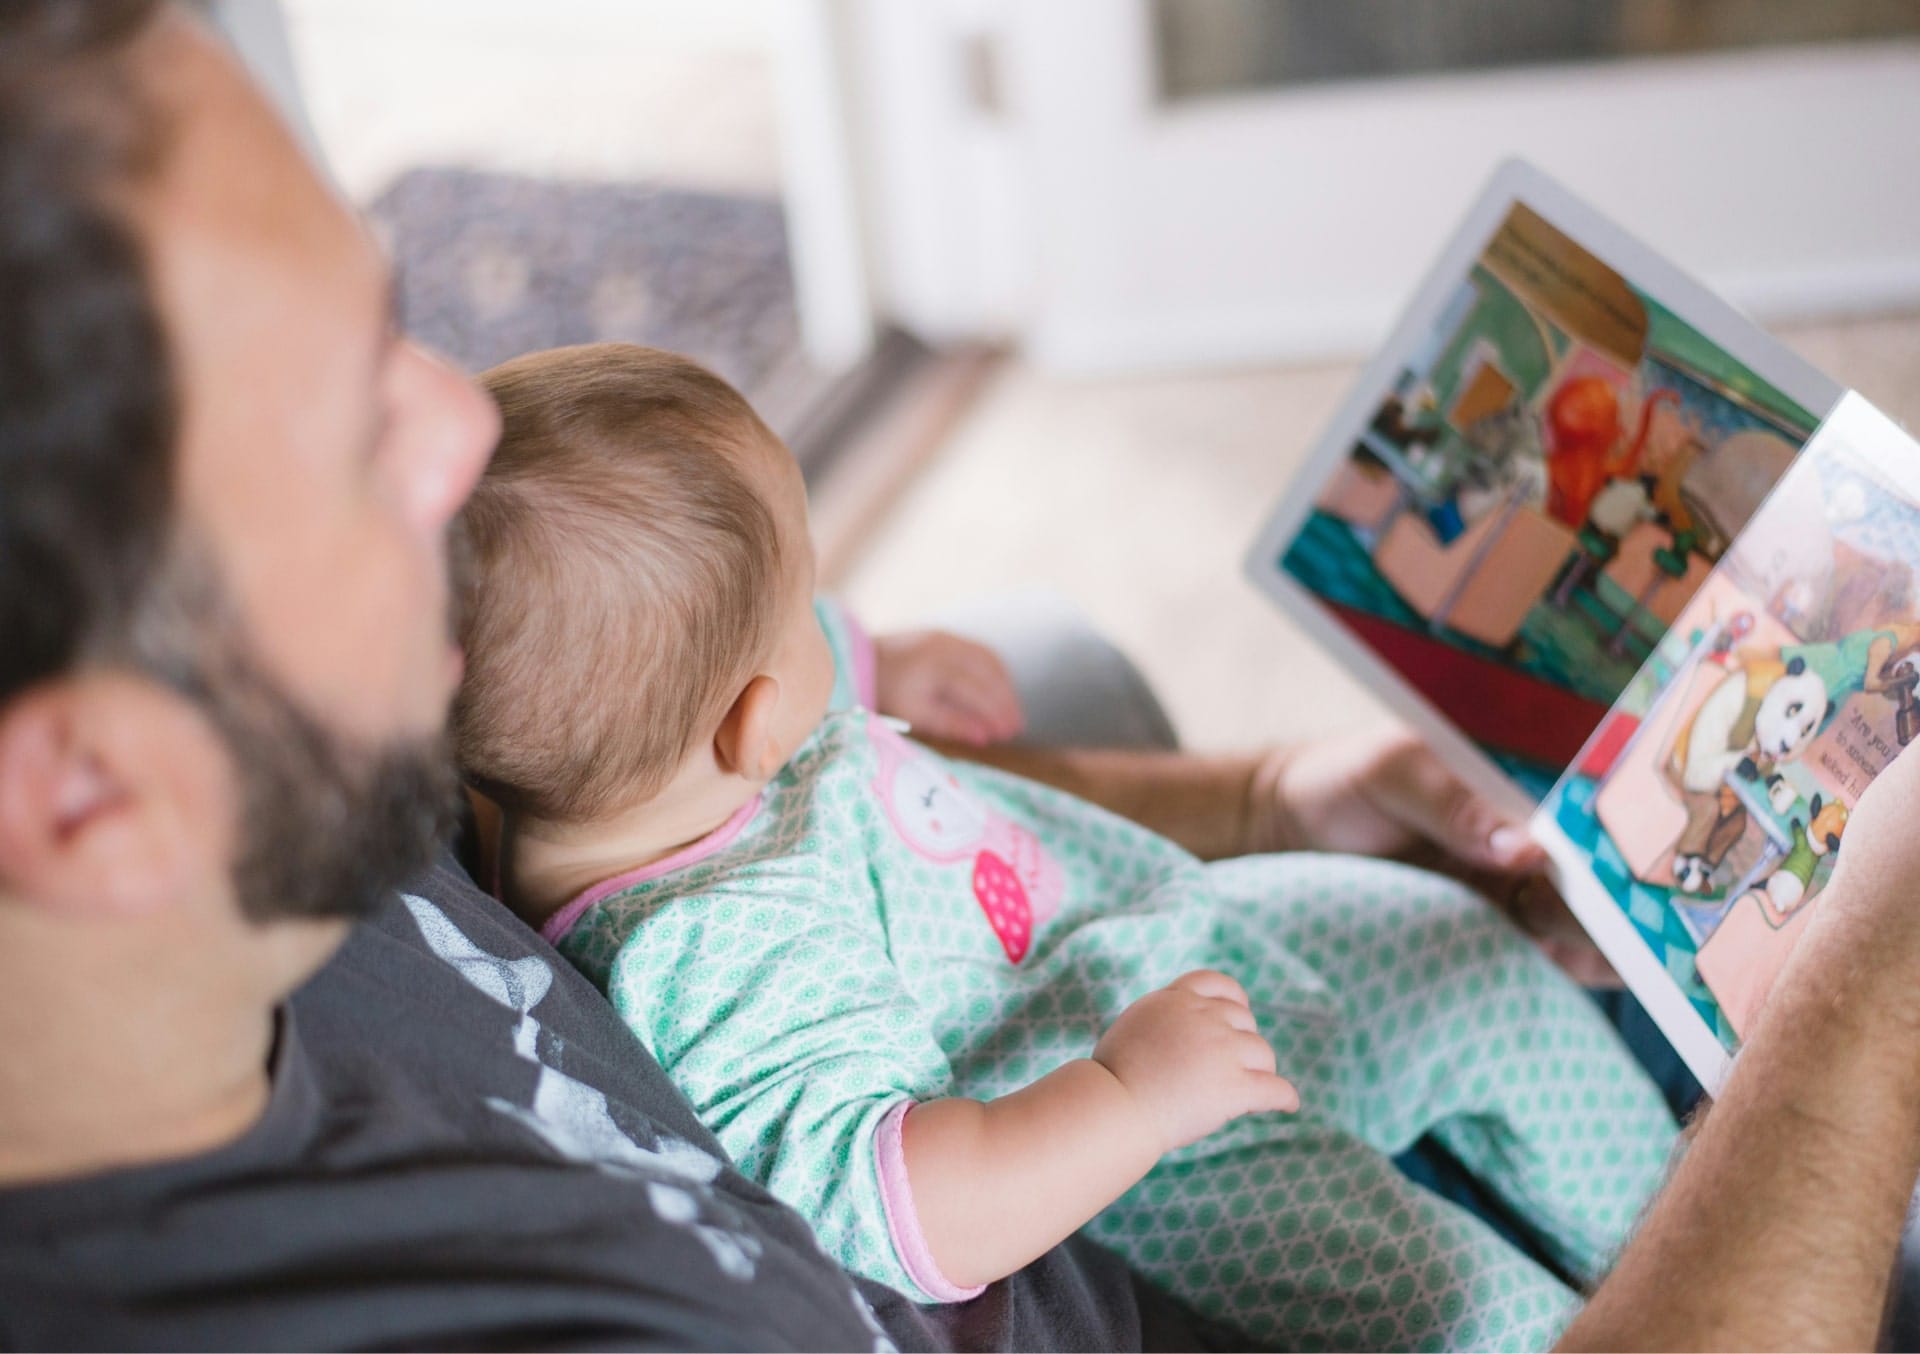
<point>745,744</point>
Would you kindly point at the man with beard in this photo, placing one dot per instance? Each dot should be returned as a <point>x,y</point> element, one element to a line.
<point>253,1094</point>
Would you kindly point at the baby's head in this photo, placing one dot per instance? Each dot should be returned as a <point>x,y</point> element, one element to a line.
<point>639,618</point>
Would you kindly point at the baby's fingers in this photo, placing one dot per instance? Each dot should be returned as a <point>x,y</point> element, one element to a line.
<point>970,719</point>
<point>1206,982</point>
<point>980,685</point>
<point>1235,1015</point>
<point>1256,1054</point>
<point>1269,1092</point>
<point>944,719</point>
<point>993,690</point>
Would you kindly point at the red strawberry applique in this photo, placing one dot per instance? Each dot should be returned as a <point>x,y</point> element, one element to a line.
<point>1004,899</point>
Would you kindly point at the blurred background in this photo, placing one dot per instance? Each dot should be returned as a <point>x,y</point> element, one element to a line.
<point>1060,293</point>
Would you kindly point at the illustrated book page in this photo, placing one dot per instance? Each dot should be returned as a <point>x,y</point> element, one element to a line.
<point>1531,482</point>
<point>1696,828</point>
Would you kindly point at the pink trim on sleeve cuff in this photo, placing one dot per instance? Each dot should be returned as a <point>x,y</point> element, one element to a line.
<point>563,921</point>
<point>903,1221</point>
<point>866,675</point>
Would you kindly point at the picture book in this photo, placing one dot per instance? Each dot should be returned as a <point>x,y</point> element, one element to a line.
<point>1638,573</point>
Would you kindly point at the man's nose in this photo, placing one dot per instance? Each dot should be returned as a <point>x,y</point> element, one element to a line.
<point>458,427</point>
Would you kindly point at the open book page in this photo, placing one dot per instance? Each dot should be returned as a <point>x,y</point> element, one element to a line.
<point>1695,830</point>
<point>1532,481</point>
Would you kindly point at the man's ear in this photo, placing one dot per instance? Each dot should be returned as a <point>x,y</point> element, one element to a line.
<point>745,744</point>
<point>113,798</point>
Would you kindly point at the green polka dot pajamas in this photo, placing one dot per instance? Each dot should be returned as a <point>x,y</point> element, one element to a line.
<point>881,927</point>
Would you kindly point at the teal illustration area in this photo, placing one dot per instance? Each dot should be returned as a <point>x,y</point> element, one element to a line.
<point>1649,909</point>
<point>1578,648</point>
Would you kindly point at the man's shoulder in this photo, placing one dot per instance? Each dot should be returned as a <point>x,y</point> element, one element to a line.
<point>449,980</point>
<point>463,1147</point>
<point>446,892</point>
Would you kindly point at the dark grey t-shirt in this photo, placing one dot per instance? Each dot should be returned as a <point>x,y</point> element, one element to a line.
<point>466,1148</point>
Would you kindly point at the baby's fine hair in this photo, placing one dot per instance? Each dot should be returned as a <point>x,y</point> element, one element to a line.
<point>622,578</point>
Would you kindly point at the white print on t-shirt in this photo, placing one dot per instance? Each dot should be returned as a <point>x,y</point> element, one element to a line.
<point>572,1117</point>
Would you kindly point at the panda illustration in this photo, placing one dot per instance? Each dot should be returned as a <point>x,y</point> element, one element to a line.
<point>1761,714</point>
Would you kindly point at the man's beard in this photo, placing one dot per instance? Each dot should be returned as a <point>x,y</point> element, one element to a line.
<point>329,826</point>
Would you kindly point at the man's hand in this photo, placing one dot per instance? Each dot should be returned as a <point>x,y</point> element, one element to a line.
<point>1192,1059</point>
<point>1382,792</point>
<point>1783,1219</point>
<point>946,687</point>
<point>1876,872</point>
<point>1385,793</point>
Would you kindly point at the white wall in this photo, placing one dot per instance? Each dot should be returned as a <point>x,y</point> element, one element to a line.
<point>1105,231</point>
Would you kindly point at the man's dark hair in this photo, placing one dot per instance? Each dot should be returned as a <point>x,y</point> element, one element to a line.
<point>87,419</point>
<point>95,566</point>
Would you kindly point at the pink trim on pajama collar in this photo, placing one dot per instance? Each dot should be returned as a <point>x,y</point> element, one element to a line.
<point>563,921</point>
<point>903,1220</point>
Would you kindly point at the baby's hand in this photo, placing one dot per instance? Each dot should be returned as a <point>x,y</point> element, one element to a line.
<point>1192,1058</point>
<point>945,687</point>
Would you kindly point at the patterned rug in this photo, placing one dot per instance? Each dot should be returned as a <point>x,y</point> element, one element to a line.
<point>494,265</point>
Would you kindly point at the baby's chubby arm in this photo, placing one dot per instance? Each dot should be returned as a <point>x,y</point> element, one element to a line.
<point>998,1183</point>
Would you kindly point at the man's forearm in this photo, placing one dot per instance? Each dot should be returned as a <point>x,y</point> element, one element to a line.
<point>1202,802</point>
<point>1781,1225</point>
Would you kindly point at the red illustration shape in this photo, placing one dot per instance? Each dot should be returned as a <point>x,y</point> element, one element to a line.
<point>1004,899</point>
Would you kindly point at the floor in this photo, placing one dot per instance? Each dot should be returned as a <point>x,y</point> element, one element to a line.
<point>1136,498</point>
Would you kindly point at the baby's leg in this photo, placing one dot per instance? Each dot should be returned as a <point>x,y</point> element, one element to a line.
<point>1318,1242</point>
<point>1454,1023</point>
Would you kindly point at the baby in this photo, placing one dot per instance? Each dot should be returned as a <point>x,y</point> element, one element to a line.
<point>953,1016</point>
